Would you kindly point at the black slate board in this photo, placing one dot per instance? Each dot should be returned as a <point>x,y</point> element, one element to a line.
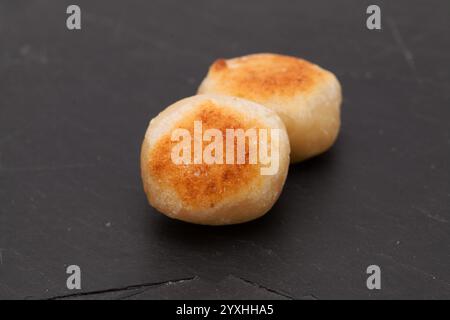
<point>74,107</point>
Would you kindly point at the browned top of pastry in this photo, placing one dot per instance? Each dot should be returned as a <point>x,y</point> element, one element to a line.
<point>204,185</point>
<point>260,76</point>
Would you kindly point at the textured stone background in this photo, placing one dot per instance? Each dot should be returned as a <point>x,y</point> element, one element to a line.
<point>74,107</point>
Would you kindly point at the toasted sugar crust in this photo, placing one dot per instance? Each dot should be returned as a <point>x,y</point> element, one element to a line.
<point>260,76</point>
<point>202,186</point>
<point>309,106</point>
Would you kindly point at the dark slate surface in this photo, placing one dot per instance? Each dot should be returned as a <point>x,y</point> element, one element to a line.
<point>74,107</point>
<point>230,288</point>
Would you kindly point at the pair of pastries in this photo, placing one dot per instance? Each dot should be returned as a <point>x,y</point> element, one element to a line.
<point>222,156</point>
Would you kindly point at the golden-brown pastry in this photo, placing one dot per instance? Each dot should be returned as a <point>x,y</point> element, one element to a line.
<point>213,186</point>
<point>305,96</point>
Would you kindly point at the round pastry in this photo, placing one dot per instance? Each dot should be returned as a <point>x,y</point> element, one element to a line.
<point>214,160</point>
<point>305,96</point>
